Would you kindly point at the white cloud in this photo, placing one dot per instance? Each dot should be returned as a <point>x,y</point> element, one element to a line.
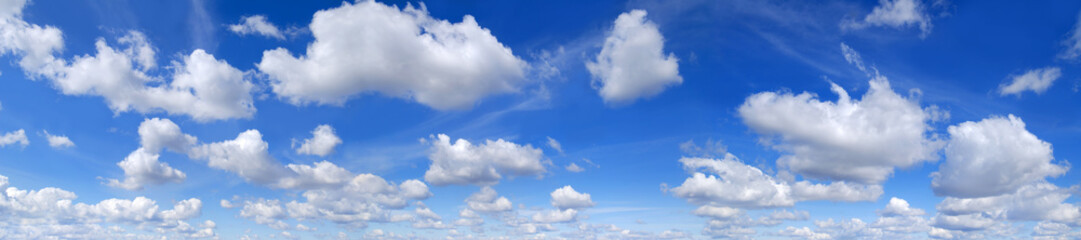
<point>488,201</point>
<point>717,212</point>
<point>632,63</point>
<point>556,216</point>
<point>321,143</point>
<point>36,44</point>
<point>729,182</point>
<point>853,57</point>
<point>256,24</point>
<point>552,143</point>
<point>202,86</point>
<point>156,134</point>
<point>58,141</point>
<point>566,197</point>
<point>246,156</point>
<point>803,233</point>
<point>465,163</point>
<point>896,14</point>
<point>899,207</point>
<point>50,212</point>
<point>572,167</point>
<point>992,157</point>
<point>1036,202</point>
<point>141,167</point>
<point>13,137</point>
<point>371,47</point>
<point>1073,44</point>
<point>1036,80</point>
<point>851,140</point>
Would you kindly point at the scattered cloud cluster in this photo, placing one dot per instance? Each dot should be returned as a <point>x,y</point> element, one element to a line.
<point>463,162</point>
<point>50,212</point>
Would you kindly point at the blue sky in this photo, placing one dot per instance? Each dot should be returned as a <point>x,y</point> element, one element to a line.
<point>542,120</point>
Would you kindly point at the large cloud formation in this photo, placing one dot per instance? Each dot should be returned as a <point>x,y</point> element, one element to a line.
<point>371,47</point>
<point>859,140</point>
<point>201,85</point>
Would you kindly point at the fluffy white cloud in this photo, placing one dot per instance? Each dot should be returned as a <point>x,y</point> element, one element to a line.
<point>141,167</point>
<point>717,212</point>
<point>50,212</point>
<point>803,233</point>
<point>899,207</point>
<point>246,156</point>
<point>1035,80</point>
<point>36,44</point>
<point>729,182</point>
<point>371,47</point>
<point>58,141</point>
<point>156,134</point>
<point>735,184</point>
<point>853,140</point>
<point>202,86</point>
<point>463,162</point>
<point>896,14</point>
<point>632,63</point>
<point>556,216</point>
<point>321,143</point>
<point>1042,201</point>
<point>566,197</point>
<point>991,157</point>
<point>488,201</point>
<point>256,24</point>
<point>13,137</point>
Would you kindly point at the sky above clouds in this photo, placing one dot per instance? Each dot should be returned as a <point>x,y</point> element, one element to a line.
<point>639,119</point>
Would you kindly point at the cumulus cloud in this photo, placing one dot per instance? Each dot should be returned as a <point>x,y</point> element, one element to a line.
<point>53,212</point>
<point>141,167</point>
<point>566,197</point>
<point>34,43</point>
<point>463,162</point>
<point>58,141</point>
<point>321,143</point>
<point>729,182</point>
<point>853,140</point>
<point>488,201</point>
<point>991,157</point>
<point>1035,80</point>
<point>896,14</point>
<point>632,63</point>
<point>13,137</point>
<point>202,86</point>
<point>256,24</point>
<point>369,47</point>
<point>246,156</point>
